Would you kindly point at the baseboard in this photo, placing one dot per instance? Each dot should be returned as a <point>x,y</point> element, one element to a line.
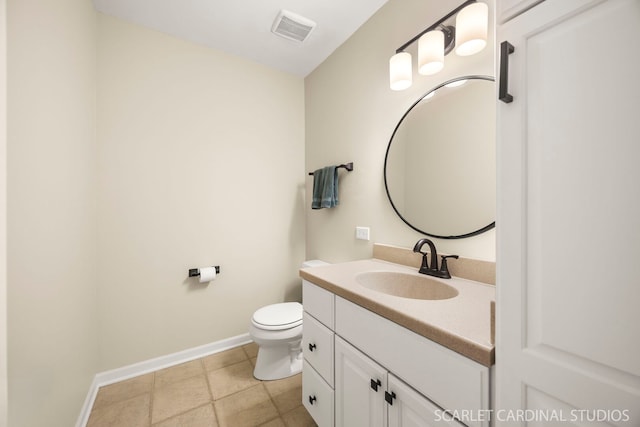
<point>144,367</point>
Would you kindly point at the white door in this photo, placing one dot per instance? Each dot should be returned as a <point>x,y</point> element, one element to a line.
<point>408,408</point>
<point>360,384</point>
<point>568,221</point>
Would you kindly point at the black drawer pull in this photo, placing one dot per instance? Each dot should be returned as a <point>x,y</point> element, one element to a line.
<point>312,347</point>
<point>312,399</point>
<point>506,49</point>
<point>389,397</point>
<point>375,384</point>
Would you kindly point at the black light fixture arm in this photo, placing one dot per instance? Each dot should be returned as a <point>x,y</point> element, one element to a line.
<point>434,26</point>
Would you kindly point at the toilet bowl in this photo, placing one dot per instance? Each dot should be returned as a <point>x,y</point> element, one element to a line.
<point>277,330</point>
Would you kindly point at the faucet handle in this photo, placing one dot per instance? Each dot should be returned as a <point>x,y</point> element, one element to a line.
<point>444,268</point>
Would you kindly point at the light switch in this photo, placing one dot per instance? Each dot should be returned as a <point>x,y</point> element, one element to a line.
<point>362,233</point>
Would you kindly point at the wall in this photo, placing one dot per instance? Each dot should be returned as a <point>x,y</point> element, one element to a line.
<point>200,163</point>
<point>3,213</point>
<point>350,116</point>
<point>51,215</point>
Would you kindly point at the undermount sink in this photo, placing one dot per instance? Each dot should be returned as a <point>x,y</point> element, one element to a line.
<point>406,285</point>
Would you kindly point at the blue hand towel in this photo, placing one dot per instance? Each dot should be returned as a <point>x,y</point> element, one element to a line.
<point>325,188</point>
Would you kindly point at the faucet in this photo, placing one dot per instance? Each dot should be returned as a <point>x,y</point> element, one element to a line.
<point>432,270</point>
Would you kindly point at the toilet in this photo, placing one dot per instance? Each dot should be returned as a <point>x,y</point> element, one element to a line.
<point>277,330</point>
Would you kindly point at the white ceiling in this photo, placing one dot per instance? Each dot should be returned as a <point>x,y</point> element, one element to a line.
<point>243,27</point>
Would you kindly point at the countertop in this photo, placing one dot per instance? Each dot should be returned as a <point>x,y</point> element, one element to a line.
<point>462,323</point>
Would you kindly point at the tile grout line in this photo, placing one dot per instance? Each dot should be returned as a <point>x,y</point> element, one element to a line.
<point>273,402</point>
<point>203,373</point>
<point>212,401</point>
<point>182,413</point>
<point>151,399</point>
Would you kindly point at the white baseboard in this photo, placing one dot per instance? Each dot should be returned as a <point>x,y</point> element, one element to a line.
<point>144,367</point>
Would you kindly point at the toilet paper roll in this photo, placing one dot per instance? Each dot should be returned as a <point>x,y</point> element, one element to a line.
<point>207,274</point>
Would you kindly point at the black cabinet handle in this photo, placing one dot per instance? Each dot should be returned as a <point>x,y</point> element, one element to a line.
<point>375,384</point>
<point>312,347</point>
<point>506,49</point>
<point>389,397</point>
<point>312,399</point>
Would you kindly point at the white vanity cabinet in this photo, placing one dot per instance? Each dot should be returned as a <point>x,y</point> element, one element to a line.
<point>367,395</point>
<point>448,379</point>
<point>568,175</point>
<point>380,373</point>
<point>318,351</point>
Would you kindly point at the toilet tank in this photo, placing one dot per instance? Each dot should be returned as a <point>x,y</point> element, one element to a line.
<point>314,263</point>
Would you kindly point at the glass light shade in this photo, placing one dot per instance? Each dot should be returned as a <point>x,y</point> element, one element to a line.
<point>400,75</point>
<point>431,53</point>
<point>472,24</point>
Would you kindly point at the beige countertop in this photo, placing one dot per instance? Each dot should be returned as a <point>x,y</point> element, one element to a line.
<point>462,323</point>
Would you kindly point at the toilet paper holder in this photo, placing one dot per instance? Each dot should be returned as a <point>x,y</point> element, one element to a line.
<point>195,272</point>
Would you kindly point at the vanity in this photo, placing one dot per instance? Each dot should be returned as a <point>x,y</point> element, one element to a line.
<point>375,358</point>
<point>383,344</point>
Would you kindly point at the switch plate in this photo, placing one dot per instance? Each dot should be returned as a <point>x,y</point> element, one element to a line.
<point>362,233</point>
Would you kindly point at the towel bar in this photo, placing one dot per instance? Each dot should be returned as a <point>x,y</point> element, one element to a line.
<point>347,166</point>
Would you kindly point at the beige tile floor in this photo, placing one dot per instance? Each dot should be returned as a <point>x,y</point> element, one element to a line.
<point>215,391</point>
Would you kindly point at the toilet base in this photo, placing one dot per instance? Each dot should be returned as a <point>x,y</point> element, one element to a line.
<point>279,362</point>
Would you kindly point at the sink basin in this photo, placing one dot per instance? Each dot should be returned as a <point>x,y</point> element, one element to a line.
<point>406,285</point>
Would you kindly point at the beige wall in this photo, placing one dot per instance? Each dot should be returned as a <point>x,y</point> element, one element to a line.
<point>52,286</point>
<point>350,116</point>
<point>200,163</point>
<point>3,213</point>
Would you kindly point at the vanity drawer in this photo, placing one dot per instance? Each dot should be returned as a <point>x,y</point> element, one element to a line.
<point>317,397</point>
<point>317,346</point>
<point>449,379</point>
<point>318,302</point>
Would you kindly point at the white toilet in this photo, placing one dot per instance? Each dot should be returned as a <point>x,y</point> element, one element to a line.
<point>277,330</point>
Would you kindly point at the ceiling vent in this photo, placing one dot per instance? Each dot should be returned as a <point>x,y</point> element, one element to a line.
<point>292,26</point>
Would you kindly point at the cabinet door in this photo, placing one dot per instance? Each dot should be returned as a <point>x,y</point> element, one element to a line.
<point>569,215</point>
<point>408,408</point>
<point>360,384</point>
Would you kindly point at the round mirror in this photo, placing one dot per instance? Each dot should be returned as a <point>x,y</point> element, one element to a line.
<point>440,167</point>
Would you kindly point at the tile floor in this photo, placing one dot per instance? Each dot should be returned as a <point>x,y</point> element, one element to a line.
<point>215,391</point>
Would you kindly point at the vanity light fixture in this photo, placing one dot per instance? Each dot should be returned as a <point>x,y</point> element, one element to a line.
<point>468,36</point>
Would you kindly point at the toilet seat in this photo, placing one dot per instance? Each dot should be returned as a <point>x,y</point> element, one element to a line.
<point>276,317</point>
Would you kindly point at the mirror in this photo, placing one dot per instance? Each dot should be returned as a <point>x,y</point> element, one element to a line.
<point>440,167</point>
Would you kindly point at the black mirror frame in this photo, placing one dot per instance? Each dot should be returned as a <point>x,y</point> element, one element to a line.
<point>386,157</point>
